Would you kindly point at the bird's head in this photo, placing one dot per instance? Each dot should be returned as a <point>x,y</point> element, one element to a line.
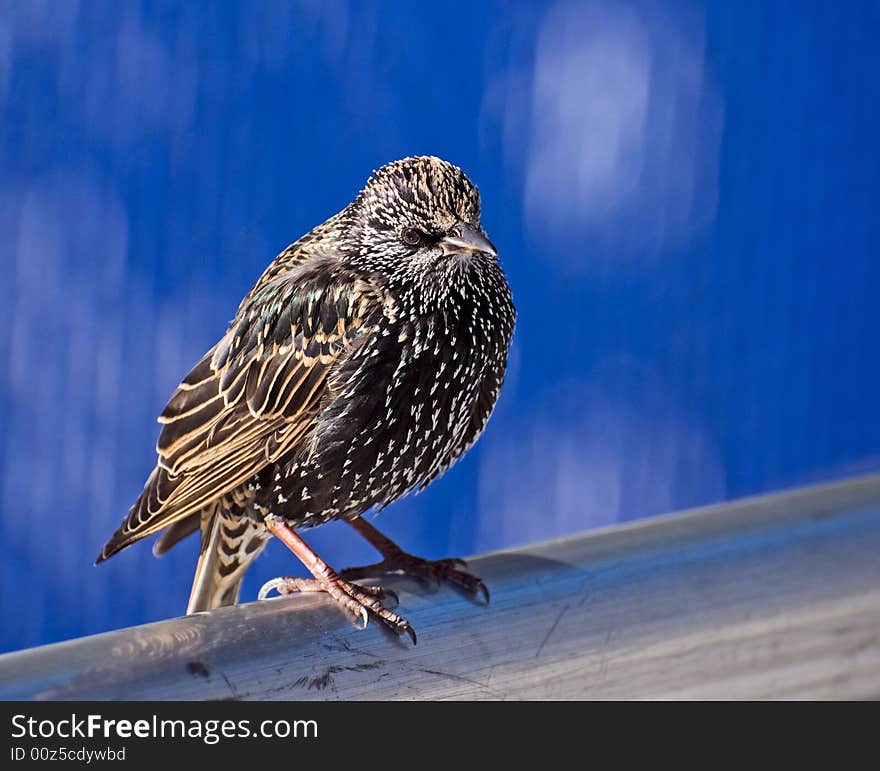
<point>417,218</point>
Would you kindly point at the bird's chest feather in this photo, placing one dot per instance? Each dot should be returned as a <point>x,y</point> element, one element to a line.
<point>403,410</point>
<point>430,395</point>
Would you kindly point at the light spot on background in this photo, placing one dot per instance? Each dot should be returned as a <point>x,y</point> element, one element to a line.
<point>624,130</point>
<point>72,240</point>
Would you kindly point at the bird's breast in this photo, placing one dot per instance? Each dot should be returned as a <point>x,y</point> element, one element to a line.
<point>403,411</point>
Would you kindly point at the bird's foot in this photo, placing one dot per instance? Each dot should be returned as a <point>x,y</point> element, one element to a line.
<point>431,572</point>
<point>360,601</point>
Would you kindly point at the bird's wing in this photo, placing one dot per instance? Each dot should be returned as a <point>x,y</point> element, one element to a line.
<point>255,395</point>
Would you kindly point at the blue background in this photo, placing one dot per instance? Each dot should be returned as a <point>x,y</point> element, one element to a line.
<point>685,196</point>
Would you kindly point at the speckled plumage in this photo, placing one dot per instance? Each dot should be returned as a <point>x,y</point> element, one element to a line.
<point>364,362</point>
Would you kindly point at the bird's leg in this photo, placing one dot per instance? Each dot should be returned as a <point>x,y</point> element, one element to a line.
<point>361,601</point>
<point>397,561</point>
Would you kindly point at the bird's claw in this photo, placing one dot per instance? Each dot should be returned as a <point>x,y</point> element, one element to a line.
<point>279,585</point>
<point>430,572</point>
<point>389,594</point>
<point>406,628</point>
<point>359,601</point>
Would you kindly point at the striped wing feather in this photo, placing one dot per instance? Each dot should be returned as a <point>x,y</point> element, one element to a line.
<point>254,396</point>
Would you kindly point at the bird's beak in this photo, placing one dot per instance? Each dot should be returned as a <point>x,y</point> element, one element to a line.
<point>464,238</point>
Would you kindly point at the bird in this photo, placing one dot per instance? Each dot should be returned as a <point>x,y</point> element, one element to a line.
<point>364,362</point>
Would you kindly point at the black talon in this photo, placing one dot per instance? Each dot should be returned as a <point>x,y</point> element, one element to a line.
<point>409,630</point>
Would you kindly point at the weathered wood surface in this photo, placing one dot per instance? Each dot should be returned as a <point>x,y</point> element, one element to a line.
<point>769,597</point>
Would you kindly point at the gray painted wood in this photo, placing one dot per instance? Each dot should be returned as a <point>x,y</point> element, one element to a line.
<point>769,597</point>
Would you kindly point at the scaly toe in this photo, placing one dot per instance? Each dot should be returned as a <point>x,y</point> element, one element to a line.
<point>367,598</point>
<point>358,601</point>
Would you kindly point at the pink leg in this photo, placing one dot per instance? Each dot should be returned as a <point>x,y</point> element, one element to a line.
<point>361,601</point>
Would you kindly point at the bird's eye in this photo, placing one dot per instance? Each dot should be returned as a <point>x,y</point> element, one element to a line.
<point>412,236</point>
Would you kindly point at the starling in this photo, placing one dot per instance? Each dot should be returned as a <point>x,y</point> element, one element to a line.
<point>364,362</point>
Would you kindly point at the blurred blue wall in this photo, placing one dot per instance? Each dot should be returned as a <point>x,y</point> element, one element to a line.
<point>685,196</point>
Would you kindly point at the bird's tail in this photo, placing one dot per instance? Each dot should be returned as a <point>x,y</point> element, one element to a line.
<point>229,544</point>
